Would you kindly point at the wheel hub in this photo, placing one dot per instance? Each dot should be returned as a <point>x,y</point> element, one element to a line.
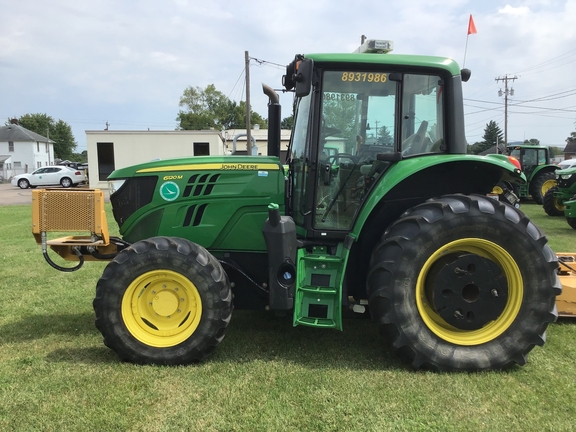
<point>467,290</point>
<point>165,303</point>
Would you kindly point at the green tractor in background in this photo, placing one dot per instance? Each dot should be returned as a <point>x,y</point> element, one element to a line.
<point>560,200</point>
<point>539,171</point>
<point>401,229</point>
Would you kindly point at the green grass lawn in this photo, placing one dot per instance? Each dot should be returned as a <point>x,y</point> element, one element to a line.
<point>56,374</point>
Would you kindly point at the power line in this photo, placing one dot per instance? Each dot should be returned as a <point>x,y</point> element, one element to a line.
<point>265,62</point>
<point>548,62</point>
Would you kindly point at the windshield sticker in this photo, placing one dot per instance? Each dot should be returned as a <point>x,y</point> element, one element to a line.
<point>169,191</point>
<point>365,77</point>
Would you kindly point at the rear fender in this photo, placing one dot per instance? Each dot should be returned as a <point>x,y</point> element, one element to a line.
<point>542,169</point>
<point>414,180</point>
<point>411,182</point>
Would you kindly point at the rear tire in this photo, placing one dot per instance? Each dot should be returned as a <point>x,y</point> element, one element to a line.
<point>463,283</point>
<point>23,184</point>
<point>65,182</point>
<point>163,300</point>
<point>540,185</point>
<point>552,205</point>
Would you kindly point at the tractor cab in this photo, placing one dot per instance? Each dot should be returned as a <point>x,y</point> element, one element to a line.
<point>530,157</point>
<point>536,166</point>
<point>357,115</point>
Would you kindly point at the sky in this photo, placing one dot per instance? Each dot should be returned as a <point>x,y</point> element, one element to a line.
<point>127,63</point>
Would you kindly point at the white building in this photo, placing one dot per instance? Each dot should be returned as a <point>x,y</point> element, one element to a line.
<point>109,150</point>
<point>259,138</point>
<point>22,151</point>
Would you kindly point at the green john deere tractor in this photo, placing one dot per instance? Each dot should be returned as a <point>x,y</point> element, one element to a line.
<point>540,173</point>
<point>394,223</point>
<point>564,190</point>
<point>560,200</point>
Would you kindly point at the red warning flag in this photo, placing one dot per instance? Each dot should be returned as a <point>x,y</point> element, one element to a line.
<point>471,26</point>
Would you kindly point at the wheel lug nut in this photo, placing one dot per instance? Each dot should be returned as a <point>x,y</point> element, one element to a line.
<point>494,292</point>
<point>458,314</point>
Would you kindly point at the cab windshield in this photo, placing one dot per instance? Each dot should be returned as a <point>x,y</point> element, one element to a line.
<point>362,114</point>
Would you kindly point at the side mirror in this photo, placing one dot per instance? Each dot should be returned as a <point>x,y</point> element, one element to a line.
<point>303,77</point>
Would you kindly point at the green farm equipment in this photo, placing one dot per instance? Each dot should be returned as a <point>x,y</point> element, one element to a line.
<point>564,190</point>
<point>394,222</point>
<point>540,173</point>
<point>561,200</point>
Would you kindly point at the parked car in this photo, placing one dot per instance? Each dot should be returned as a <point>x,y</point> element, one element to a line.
<point>50,176</point>
<point>568,163</point>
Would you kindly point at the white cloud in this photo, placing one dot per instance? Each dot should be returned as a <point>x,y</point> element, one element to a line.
<point>509,10</point>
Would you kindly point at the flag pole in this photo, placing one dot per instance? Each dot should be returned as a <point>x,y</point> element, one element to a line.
<point>465,51</point>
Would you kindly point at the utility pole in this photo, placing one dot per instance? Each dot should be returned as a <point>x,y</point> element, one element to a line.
<point>248,127</point>
<point>506,92</point>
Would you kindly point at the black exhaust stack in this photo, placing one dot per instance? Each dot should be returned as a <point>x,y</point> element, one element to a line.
<point>274,121</point>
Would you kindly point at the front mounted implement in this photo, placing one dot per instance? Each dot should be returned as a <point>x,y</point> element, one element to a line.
<point>79,211</point>
<point>566,302</point>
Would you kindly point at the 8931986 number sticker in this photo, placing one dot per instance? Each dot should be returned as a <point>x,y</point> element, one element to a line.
<point>370,77</point>
<point>339,96</point>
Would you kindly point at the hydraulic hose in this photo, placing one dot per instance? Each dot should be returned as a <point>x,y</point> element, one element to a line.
<point>65,269</point>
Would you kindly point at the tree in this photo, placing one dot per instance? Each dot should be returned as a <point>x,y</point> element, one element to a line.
<point>532,141</point>
<point>385,137</point>
<point>572,138</point>
<point>287,122</point>
<point>492,136</point>
<point>556,151</point>
<point>59,132</point>
<point>210,109</point>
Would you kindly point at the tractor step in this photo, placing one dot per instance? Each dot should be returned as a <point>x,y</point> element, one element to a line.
<point>318,297</point>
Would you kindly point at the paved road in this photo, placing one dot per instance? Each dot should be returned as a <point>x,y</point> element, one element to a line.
<point>11,195</point>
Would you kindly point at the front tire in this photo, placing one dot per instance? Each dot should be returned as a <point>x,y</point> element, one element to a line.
<point>553,206</point>
<point>163,300</point>
<point>463,283</point>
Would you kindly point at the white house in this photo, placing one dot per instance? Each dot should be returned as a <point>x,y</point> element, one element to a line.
<point>109,150</point>
<point>22,150</point>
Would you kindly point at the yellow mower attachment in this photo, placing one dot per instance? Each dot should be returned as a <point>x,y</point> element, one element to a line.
<point>566,302</point>
<point>81,210</point>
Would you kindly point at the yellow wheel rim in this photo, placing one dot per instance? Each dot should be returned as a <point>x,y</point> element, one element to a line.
<point>161,308</point>
<point>497,190</point>
<point>491,330</point>
<point>547,185</point>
